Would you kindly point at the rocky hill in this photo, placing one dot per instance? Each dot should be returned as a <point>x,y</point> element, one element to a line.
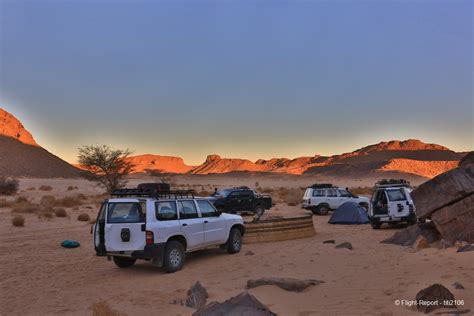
<point>165,164</point>
<point>20,155</point>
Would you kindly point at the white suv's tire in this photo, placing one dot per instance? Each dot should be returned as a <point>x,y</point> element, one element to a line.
<point>321,210</point>
<point>234,244</point>
<point>123,262</point>
<point>174,256</point>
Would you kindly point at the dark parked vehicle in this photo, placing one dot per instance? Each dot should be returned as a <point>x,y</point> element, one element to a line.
<point>241,199</point>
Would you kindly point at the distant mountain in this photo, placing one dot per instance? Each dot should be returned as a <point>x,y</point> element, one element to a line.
<point>20,155</point>
<point>394,157</point>
<point>165,164</point>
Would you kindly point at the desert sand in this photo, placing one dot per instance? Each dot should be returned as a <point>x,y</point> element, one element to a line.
<point>39,277</point>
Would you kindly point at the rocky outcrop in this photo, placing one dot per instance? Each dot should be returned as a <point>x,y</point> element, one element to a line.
<point>216,164</point>
<point>242,304</point>
<point>448,200</point>
<point>10,126</point>
<point>166,164</point>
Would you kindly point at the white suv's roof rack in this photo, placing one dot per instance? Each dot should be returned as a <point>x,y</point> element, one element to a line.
<point>386,183</point>
<point>150,193</point>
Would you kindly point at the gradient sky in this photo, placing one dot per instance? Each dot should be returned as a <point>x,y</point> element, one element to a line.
<point>250,79</point>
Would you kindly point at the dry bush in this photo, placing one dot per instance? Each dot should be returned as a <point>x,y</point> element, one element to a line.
<point>44,214</point>
<point>18,221</point>
<point>60,212</point>
<point>21,199</point>
<point>204,193</point>
<point>361,190</point>
<point>83,217</point>
<point>267,190</point>
<point>45,188</point>
<point>5,203</point>
<point>70,188</point>
<point>31,189</point>
<point>8,186</point>
<point>291,197</point>
<point>103,309</point>
<point>68,201</point>
<point>25,207</point>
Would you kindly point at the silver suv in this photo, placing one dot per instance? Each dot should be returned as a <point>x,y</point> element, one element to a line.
<point>321,198</point>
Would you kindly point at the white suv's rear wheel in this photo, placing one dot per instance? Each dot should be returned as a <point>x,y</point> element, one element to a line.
<point>321,210</point>
<point>174,256</point>
<point>123,262</point>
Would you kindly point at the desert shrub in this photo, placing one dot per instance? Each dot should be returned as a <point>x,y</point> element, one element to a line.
<point>267,190</point>
<point>45,214</point>
<point>31,189</point>
<point>83,217</point>
<point>70,188</point>
<point>25,207</point>
<point>8,186</point>
<point>48,201</point>
<point>204,193</point>
<point>103,309</point>
<point>18,221</point>
<point>60,212</point>
<point>361,190</point>
<point>5,203</point>
<point>291,197</point>
<point>21,199</point>
<point>45,188</point>
<point>70,201</point>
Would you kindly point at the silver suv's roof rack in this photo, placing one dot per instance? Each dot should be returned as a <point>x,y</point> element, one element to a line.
<point>321,186</point>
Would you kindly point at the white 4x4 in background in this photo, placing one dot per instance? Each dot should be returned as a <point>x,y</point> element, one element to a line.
<point>162,228</point>
<point>320,199</point>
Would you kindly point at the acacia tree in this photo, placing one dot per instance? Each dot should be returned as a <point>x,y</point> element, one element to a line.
<point>106,166</point>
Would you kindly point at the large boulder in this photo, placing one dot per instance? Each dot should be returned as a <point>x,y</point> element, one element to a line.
<point>443,190</point>
<point>456,221</point>
<point>434,297</point>
<point>409,235</point>
<point>197,296</point>
<point>242,304</point>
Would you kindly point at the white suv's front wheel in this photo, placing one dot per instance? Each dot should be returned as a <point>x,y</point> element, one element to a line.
<point>174,256</point>
<point>234,244</point>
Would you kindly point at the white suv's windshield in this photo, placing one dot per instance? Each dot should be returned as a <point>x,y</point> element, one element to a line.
<point>124,213</point>
<point>396,195</point>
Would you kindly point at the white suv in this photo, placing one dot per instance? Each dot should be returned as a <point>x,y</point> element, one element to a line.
<point>162,227</point>
<point>392,203</point>
<point>321,198</point>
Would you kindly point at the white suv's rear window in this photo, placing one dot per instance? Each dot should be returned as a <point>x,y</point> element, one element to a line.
<point>124,213</point>
<point>319,192</point>
<point>396,195</point>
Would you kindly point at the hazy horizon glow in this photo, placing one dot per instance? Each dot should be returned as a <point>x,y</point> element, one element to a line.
<point>239,79</point>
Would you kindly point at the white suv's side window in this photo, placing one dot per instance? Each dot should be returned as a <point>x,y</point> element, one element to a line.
<point>332,193</point>
<point>166,211</point>
<point>187,209</point>
<point>207,210</point>
<point>344,193</point>
<point>319,193</point>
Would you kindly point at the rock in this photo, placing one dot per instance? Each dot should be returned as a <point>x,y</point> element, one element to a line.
<point>443,190</point>
<point>466,248</point>
<point>288,284</point>
<point>242,304</point>
<point>458,286</point>
<point>467,160</point>
<point>197,296</point>
<point>409,235</point>
<point>456,221</point>
<point>421,243</point>
<point>330,241</point>
<point>10,126</point>
<point>346,245</point>
<point>443,244</point>
<point>433,293</point>
<point>249,253</point>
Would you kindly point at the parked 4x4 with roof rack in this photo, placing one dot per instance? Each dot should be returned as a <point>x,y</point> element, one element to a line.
<point>321,198</point>
<point>162,226</point>
<point>392,203</point>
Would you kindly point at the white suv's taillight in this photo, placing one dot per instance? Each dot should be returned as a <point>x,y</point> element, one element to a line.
<point>150,239</point>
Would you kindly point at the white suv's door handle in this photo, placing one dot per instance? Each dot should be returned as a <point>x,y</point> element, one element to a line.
<point>205,222</point>
<point>185,224</point>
